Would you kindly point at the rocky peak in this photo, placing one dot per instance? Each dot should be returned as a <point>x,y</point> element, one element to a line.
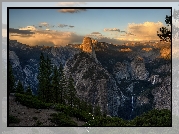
<point>88,46</point>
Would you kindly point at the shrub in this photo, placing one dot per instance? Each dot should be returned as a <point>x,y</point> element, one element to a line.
<point>62,119</point>
<point>31,101</point>
<point>13,119</point>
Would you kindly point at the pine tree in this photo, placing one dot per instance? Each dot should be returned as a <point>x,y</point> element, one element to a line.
<point>55,84</point>
<point>28,91</point>
<point>48,86</point>
<point>71,91</point>
<point>97,111</point>
<point>20,88</point>
<point>41,78</point>
<point>62,86</point>
<point>11,79</point>
<point>165,33</point>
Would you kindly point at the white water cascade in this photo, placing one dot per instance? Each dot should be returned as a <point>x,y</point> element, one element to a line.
<point>153,80</point>
<point>132,102</point>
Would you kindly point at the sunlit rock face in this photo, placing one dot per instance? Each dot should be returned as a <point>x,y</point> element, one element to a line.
<point>139,71</point>
<point>86,46</point>
<point>165,53</point>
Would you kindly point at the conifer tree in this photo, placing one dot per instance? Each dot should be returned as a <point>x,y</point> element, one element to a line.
<point>71,91</point>
<point>41,78</point>
<point>11,79</point>
<point>62,86</point>
<point>28,91</point>
<point>20,88</point>
<point>97,111</point>
<point>48,87</point>
<point>55,84</point>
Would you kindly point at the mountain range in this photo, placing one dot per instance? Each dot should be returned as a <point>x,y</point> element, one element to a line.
<point>124,80</point>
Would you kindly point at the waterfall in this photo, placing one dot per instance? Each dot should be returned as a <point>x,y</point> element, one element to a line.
<point>154,80</point>
<point>132,102</point>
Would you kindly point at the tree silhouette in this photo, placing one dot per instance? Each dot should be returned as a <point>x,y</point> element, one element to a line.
<point>165,33</point>
<point>11,79</point>
<point>19,88</point>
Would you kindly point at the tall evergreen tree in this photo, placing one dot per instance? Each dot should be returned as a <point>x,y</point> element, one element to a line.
<point>48,86</point>
<point>62,86</point>
<point>71,91</point>
<point>28,91</point>
<point>44,77</point>
<point>55,84</point>
<point>20,88</point>
<point>11,79</point>
<point>41,78</point>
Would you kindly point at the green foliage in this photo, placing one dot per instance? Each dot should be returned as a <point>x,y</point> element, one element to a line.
<point>97,111</point>
<point>38,123</point>
<point>11,79</point>
<point>44,77</point>
<point>71,92</point>
<point>153,118</point>
<point>35,118</point>
<point>28,91</point>
<point>62,119</point>
<point>20,88</point>
<point>31,101</point>
<point>55,84</point>
<point>13,119</point>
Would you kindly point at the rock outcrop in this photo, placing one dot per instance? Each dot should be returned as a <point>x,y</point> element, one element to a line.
<point>139,71</point>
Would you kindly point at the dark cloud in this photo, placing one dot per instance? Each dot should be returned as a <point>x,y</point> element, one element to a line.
<point>71,10</point>
<point>4,26</point>
<point>40,26</point>
<point>17,31</point>
<point>95,33</point>
<point>112,29</point>
<point>71,26</point>
<point>62,25</point>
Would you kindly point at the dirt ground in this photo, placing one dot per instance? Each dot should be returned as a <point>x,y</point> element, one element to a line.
<point>32,116</point>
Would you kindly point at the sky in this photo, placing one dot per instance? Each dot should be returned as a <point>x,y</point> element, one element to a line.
<point>58,27</point>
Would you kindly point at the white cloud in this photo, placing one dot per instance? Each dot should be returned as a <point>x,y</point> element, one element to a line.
<point>49,37</point>
<point>32,28</point>
<point>70,3</point>
<point>142,32</point>
<point>44,24</point>
<point>112,29</point>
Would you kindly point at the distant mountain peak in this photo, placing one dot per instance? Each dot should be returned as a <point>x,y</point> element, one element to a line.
<point>88,46</point>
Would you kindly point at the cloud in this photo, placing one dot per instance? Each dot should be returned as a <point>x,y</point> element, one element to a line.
<point>28,28</point>
<point>47,37</point>
<point>62,25</point>
<point>19,31</point>
<point>45,24</point>
<point>142,32</point>
<point>71,10</point>
<point>70,3</point>
<point>95,33</point>
<point>112,29</point>
<point>71,26</point>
